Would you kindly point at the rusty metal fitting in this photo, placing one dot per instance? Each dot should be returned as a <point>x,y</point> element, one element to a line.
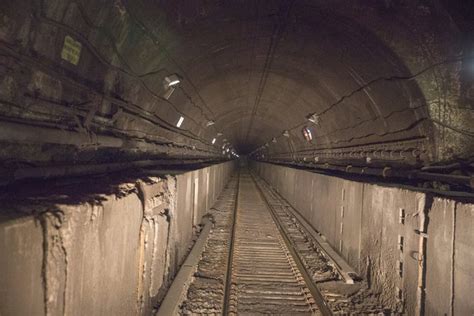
<point>386,172</point>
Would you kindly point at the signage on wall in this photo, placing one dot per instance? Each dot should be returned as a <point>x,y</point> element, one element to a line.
<point>71,50</point>
<point>307,133</point>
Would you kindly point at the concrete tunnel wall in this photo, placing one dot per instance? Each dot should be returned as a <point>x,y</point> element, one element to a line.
<point>114,256</point>
<point>362,222</point>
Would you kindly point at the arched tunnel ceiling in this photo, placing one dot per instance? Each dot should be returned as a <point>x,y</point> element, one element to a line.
<point>262,67</point>
<point>381,76</point>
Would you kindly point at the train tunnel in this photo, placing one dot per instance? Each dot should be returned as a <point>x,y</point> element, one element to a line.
<point>236,157</point>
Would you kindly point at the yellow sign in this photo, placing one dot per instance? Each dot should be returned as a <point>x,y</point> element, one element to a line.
<point>71,50</point>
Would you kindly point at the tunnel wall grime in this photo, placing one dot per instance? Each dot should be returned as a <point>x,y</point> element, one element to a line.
<point>377,230</point>
<point>389,80</point>
<point>113,254</point>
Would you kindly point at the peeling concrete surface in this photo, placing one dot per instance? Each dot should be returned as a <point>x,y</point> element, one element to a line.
<point>21,263</point>
<point>101,249</point>
<point>440,246</point>
<point>99,254</point>
<point>463,257</point>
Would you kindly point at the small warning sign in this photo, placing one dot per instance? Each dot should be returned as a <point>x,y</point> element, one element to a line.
<point>71,50</point>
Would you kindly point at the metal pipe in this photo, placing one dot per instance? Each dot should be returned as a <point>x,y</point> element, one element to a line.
<point>387,172</point>
<point>465,180</point>
<point>23,133</point>
<point>82,170</point>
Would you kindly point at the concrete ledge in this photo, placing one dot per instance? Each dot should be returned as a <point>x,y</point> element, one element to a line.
<point>178,288</point>
<point>346,271</point>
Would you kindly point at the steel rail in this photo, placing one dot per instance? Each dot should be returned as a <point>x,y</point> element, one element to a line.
<point>230,258</point>
<point>318,297</point>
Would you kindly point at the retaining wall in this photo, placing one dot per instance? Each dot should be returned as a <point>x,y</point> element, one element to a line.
<point>376,229</point>
<point>110,250</point>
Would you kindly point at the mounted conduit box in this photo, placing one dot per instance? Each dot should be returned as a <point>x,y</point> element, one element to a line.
<point>401,219</point>
<point>400,242</point>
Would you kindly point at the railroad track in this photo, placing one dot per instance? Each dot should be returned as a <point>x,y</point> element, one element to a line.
<point>261,258</point>
<point>264,275</point>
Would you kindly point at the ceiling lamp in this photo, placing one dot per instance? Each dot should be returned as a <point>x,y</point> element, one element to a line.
<point>169,84</point>
<point>286,134</point>
<point>180,121</point>
<point>171,81</point>
<point>274,140</point>
<point>213,141</point>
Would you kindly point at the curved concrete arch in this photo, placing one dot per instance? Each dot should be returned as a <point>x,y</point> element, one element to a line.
<point>372,72</point>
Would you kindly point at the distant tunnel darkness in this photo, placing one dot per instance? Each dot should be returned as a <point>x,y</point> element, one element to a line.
<point>89,82</point>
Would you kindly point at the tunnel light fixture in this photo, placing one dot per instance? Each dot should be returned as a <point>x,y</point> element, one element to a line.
<point>313,118</point>
<point>180,121</point>
<point>307,134</point>
<point>223,146</point>
<point>169,84</point>
<point>171,81</point>
<point>210,123</point>
<point>213,141</point>
<point>286,134</point>
<point>274,140</point>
